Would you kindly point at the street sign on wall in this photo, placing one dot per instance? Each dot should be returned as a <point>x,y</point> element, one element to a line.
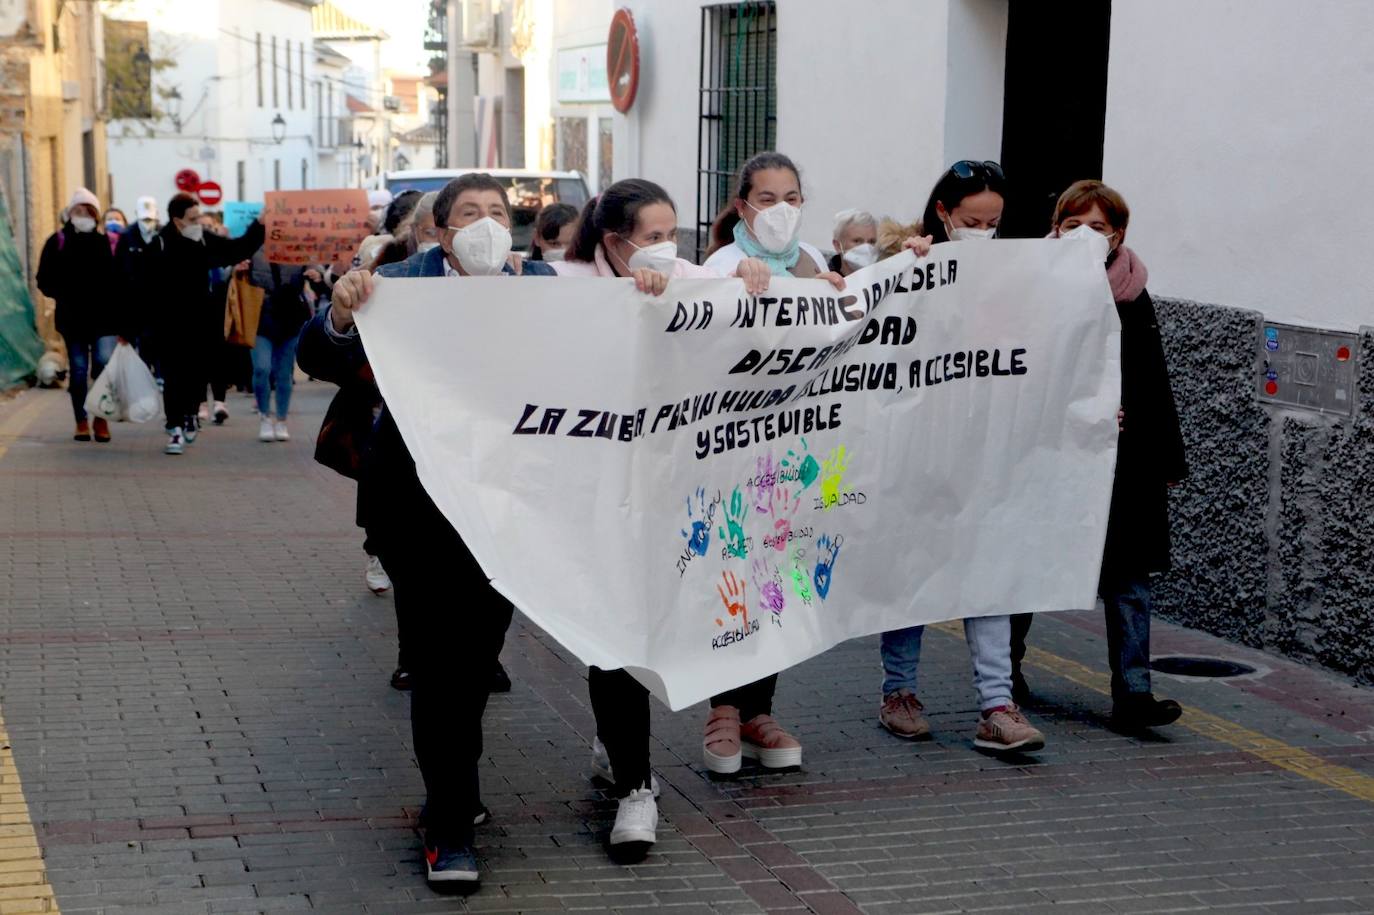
<point>582,74</point>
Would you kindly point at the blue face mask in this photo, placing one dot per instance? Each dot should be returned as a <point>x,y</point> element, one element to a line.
<point>113,226</point>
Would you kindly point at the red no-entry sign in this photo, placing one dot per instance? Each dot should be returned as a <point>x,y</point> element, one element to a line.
<point>210,193</point>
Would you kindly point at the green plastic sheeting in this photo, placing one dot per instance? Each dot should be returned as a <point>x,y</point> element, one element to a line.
<point>20,345</point>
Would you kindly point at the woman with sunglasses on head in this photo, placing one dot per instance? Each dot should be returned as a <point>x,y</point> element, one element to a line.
<point>965,204</point>
<point>1149,460</point>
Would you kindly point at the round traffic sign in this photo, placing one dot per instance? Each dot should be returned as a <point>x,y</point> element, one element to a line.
<point>210,193</point>
<point>622,60</point>
<point>188,180</point>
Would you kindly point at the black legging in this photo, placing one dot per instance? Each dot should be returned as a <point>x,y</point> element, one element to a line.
<point>621,706</point>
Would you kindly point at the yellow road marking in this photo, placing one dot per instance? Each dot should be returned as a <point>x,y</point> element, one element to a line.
<point>24,886</point>
<point>1275,752</point>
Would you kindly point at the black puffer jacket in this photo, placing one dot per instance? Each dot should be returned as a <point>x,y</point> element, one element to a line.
<point>77,270</point>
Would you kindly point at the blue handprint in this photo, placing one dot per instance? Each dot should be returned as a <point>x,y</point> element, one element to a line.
<point>827,551</point>
<point>699,534</point>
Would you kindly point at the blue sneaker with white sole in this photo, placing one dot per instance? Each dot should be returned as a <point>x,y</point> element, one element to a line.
<point>449,864</point>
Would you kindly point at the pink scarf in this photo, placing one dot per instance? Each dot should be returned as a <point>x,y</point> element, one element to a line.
<point>1127,275</point>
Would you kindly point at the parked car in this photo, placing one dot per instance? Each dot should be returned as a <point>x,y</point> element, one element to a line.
<point>528,191</point>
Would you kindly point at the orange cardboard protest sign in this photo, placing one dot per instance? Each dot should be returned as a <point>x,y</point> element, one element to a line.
<point>314,227</point>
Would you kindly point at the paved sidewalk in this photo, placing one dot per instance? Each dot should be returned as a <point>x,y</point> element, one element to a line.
<point>193,682</point>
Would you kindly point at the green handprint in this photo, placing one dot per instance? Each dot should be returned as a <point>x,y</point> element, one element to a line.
<point>733,530</point>
<point>832,477</point>
<point>801,581</point>
<point>804,464</point>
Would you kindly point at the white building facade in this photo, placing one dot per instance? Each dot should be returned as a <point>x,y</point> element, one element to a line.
<point>233,97</point>
<point>1237,133</point>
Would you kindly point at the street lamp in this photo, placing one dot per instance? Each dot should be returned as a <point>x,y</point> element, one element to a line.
<point>173,99</point>
<point>278,128</point>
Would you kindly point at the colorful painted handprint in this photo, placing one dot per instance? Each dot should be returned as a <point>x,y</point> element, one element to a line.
<point>832,477</point>
<point>827,551</point>
<point>802,465</point>
<point>733,530</point>
<point>698,532</point>
<point>732,595</point>
<point>768,582</point>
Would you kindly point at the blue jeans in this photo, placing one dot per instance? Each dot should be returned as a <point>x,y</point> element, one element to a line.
<point>1126,603</point>
<point>989,645</point>
<point>85,357</point>
<point>273,367</point>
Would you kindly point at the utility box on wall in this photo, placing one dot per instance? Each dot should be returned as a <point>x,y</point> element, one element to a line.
<point>1308,368</point>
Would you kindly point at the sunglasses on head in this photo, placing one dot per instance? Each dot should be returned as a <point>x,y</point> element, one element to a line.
<point>967,168</point>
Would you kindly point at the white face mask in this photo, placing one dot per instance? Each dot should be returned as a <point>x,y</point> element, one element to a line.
<point>482,247</point>
<point>967,233</point>
<point>193,231</point>
<point>861,256</point>
<point>83,223</point>
<point>147,228</point>
<point>661,257</point>
<point>424,246</point>
<point>1089,234</point>
<point>555,254</point>
<point>776,227</point>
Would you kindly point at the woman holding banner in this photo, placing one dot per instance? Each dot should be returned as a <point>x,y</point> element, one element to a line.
<point>630,231</point>
<point>965,204</point>
<point>762,221</point>
<point>1149,460</point>
<point>451,622</point>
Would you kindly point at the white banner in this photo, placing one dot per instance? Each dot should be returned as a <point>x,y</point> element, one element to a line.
<point>708,487</point>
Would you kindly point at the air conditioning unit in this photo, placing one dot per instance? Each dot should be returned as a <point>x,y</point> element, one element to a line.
<point>391,103</point>
<point>479,25</point>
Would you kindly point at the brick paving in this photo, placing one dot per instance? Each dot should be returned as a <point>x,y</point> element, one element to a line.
<point>194,682</point>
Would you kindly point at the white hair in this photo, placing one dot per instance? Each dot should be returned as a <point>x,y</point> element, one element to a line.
<point>846,218</point>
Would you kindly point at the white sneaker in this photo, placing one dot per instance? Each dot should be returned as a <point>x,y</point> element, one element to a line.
<point>601,766</point>
<point>221,413</point>
<point>266,433</point>
<point>637,819</point>
<point>203,414</point>
<point>378,582</point>
<point>175,444</point>
<point>280,431</point>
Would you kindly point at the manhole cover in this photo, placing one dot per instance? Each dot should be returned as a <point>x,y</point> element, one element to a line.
<point>1183,666</point>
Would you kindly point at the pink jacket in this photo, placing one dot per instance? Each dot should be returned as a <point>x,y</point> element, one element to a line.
<point>600,267</point>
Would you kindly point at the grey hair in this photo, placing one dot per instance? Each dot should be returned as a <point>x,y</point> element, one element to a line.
<point>846,218</point>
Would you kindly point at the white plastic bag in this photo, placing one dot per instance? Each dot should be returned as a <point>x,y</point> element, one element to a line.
<point>138,391</point>
<point>125,390</point>
<point>102,400</point>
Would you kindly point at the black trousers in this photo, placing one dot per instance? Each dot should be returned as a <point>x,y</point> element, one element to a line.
<point>183,382</point>
<point>621,706</point>
<point>752,699</point>
<point>455,626</point>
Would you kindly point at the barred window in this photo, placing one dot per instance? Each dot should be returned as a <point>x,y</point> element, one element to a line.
<point>738,100</point>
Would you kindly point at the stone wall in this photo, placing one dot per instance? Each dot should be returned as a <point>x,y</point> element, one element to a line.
<point>1273,532</point>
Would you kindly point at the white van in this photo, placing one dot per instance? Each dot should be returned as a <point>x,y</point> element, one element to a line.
<point>528,191</point>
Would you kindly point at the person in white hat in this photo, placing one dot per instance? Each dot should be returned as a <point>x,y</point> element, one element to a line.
<point>76,269</point>
<point>134,289</point>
